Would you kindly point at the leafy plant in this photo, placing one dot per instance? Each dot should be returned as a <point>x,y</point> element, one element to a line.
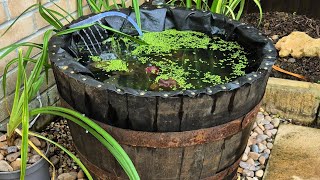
<point>231,8</point>
<point>20,112</point>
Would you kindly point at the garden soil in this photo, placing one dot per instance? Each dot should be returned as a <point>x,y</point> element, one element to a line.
<point>282,24</point>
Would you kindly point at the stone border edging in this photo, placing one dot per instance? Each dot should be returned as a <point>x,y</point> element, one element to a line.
<point>296,100</point>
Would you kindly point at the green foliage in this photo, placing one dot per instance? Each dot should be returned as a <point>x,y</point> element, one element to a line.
<point>231,8</point>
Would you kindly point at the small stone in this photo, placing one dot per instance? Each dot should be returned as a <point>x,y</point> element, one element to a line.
<point>261,147</point>
<point>259,118</point>
<point>261,127</point>
<point>264,122</point>
<point>247,172</point>
<point>264,142</point>
<point>268,133</point>
<point>247,166</point>
<point>266,155</point>
<point>273,131</point>
<point>13,156</point>
<point>247,150</point>
<point>55,160</point>
<point>255,148</point>
<point>16,164</point>
<point>268,118</point>
<point>43,144</point>
<point>262,159</point>
<point>254,155</point>
<point>254,134</point>
<point>261,137</point>
<point>291,60</point>
<point>254,125</point>
<point>269,145</point>
<point>257,167</point>
<point>3,137</point>
<point>250,161</point>
<point>244,157</point>
<point>268,126</point>
<point>3,145</point>
<point>1,157</point>
<point>275,37</point>
<point>34,159</point>
<point>258,130</point>
<point>35,141</point>
<point>18,142</point>
<point>80,174</point>
<point>67,176</point>
<point>5,167</point>
<point>268,151</point>
<point>12,149</point>
<point>259,173</point>
<point>251,141</point>
<point>275,122</point>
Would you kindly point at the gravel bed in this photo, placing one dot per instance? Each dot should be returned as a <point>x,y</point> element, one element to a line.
<point>251,167</point>
<point>259,147</point>
<point>66,168</point>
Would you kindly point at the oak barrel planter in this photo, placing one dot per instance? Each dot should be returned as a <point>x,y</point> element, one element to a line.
<point>190,134</point>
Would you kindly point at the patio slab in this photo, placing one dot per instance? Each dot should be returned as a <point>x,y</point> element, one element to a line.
<point>295,154</point>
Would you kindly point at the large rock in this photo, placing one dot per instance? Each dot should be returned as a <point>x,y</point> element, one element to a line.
<point>298,44</point>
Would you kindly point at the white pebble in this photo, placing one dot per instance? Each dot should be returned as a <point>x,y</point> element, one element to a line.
<point>259,173</point>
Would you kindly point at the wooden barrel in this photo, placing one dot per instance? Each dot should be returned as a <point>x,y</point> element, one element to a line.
<point>188,134</point>
<point>210,153</point>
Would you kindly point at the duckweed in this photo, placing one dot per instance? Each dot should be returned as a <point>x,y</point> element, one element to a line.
<point>192,59</point>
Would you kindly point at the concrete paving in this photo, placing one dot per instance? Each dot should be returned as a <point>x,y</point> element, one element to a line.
<point>295,154</point>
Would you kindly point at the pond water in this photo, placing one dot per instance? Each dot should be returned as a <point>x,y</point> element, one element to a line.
<point>168,66</point>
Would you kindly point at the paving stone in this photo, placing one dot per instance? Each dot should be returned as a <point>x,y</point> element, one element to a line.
<point>295,154</point>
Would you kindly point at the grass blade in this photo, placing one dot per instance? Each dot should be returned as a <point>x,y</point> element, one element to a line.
<point>79,8</point>
<point>90,125</point>
<point>51,21</point>
<point>257,2</point>
<point>231,12</point>
<point>71,30</point>
<point>137,12</point>
<point>25,123</point>
<point>32,6</point>
<point>240,9</point>
<point>15,106</point>
<point>64,10</point>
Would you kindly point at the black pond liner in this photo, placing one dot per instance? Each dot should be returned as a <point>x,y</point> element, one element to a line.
<point>166,111</point>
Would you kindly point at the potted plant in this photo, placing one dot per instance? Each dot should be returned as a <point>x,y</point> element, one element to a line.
<point>20,116</point>
<point>141,92</point>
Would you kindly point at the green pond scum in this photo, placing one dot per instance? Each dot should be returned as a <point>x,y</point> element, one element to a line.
<point>171,60</point>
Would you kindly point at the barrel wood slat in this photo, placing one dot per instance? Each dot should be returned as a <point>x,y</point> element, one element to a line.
<point>210,153</point>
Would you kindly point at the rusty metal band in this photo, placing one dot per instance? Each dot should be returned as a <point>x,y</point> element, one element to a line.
<point>178,139</point>
<point>101,174</point>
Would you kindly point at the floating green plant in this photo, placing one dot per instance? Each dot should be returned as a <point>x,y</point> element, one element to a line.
<point>169,40</point>
<point>110,65</point>
<point>173,60</point>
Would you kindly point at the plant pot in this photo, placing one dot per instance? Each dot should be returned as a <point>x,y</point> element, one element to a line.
<point>38,170</point>
<point>189,134</point>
